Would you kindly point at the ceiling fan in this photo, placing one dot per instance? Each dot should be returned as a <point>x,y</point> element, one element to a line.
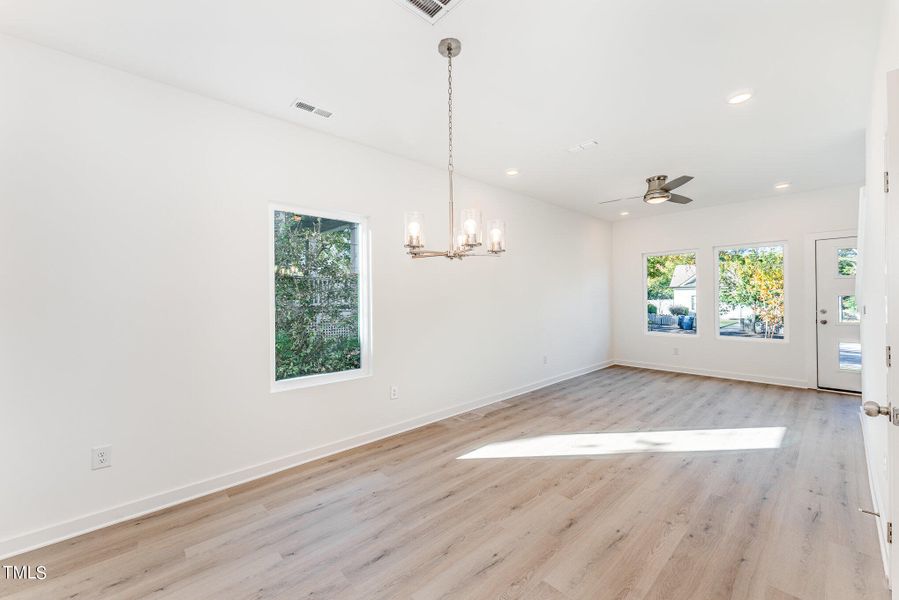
<point>659,191</point>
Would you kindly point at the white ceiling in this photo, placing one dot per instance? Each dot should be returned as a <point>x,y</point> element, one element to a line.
<point>648,80</point>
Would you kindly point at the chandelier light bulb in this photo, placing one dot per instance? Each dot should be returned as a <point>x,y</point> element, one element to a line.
<point>497,243</point>
<point>413,238</point>
<point>471,227</point>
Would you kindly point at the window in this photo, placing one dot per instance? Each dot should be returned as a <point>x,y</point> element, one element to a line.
<point>850,356</point>
<point>751,296</point>
<point>848,261</point>
<point>671,293</point>
<point>848,310</point>
<point>319,289</point>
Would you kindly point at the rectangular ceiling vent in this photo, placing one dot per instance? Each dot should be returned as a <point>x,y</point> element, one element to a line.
<point>430,10</point>
<point>315,110</point>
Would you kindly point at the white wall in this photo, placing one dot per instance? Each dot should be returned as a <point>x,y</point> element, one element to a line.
<point>871,282</point>
<point>790,218</point>
<point>135,302</point>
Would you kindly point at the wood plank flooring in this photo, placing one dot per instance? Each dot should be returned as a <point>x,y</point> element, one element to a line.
<point>404,518</point>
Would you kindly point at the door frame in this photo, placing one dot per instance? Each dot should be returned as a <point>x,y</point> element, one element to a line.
<point>811,303</point>
<point>834,319</point>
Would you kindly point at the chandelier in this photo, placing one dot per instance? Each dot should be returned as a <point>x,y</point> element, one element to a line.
<point>464,241</point>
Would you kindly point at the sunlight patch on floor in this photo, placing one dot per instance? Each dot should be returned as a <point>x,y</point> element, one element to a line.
<point>595,444</point>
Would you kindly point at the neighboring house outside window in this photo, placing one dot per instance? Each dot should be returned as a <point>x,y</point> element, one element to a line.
<point>683,284</point>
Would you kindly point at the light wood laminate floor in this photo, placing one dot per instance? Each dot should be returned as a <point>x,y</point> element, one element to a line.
<point>405,518</point>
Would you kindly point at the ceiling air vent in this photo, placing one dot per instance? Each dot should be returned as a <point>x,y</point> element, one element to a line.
<point>430,10</point>
<point>315,110</point>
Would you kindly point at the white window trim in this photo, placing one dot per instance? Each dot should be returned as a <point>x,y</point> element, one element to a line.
<point>643,326</point>
<point>787,319</point>
<point>365,309</point>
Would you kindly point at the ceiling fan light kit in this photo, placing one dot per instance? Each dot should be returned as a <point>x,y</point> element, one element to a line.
<point>659,191</point>
<point>464,241</point>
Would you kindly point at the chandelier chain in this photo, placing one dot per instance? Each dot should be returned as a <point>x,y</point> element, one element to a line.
<point>449,102</point>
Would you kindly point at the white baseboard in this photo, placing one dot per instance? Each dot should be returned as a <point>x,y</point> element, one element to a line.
<point>130,510</point>
<point>799,383</point>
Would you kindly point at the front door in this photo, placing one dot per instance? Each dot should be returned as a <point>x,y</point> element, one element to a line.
<point>839,348</point>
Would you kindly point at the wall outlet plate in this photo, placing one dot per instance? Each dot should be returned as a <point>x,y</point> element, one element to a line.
<point>101,457</point>
<point>394,392</point>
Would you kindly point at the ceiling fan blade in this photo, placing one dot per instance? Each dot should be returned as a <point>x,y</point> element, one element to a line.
<point>676,183</point>
<point>678,199</point>
<point>619,200</point>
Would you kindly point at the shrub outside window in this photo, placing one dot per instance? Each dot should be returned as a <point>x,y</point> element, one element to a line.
<point>320,316</point>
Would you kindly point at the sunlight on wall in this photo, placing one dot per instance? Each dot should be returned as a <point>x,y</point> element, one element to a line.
<point>595,444</point>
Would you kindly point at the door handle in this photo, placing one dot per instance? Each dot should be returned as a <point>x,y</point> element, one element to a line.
<point>873,409</point>
<point>823,321</point>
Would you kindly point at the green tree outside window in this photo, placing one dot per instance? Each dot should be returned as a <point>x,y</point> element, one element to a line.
<point>753,278</point>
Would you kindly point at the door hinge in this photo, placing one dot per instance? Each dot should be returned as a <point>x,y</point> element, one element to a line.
<point>886,182</point>
<point>889,533</point>
<point>889,356</point>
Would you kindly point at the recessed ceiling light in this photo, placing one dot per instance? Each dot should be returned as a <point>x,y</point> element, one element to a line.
<point>782,185</point>
<point>624,213</point>
<point>739,98</point>
<point>511,172</point>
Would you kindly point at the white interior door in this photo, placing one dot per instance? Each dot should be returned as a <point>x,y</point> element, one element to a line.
<point>839,347</point>
<point>878,289</point>
<point>891,147</point>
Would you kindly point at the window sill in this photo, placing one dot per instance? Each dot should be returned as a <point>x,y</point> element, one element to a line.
<point>672,334</point>
<point>756,340</point>
<point>285,385</point>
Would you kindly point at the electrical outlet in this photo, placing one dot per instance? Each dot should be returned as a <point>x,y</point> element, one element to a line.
<point>101,457</point>
<point>676,351</point>
<point>394,392</point>
<point>545,359</point>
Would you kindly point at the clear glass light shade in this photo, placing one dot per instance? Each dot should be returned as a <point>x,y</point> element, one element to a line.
<point>414,235</point>
<point>496,236</point>
<point>471,227</point>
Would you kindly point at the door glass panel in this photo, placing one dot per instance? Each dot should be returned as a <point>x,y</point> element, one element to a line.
<point>847,262</point>
<point>848,309</point>
<point>850,356</point>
